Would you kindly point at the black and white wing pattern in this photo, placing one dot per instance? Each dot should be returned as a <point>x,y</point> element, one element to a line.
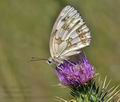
<point>69,35</point>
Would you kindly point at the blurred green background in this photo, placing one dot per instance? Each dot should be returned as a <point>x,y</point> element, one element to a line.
<point>25,27</point>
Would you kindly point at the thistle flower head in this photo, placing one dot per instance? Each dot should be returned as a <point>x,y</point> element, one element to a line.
<point>75,73</point>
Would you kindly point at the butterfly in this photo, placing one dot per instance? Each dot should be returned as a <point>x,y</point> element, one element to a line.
<point>69,35</point>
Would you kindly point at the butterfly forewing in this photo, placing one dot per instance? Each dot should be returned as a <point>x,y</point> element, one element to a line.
<point>69,35</point>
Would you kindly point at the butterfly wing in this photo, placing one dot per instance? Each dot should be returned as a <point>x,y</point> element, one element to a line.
<point>69,34</point>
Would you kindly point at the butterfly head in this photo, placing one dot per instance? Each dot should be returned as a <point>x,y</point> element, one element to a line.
<point>50,61</point>
<point>55,61</point>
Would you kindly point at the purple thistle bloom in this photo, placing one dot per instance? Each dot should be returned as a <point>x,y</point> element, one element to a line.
<point>75,73</point>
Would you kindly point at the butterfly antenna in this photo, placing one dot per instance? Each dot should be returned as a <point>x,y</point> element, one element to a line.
<point>37,59</point>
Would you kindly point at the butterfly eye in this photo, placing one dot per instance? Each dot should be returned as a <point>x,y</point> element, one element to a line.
<point>49,62</point>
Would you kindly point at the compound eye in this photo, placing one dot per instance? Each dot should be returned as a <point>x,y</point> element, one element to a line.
<point>49,62</point>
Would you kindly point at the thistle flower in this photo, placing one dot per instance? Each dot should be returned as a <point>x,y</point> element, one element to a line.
<point>79,76</point>
<point>75,73</point>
